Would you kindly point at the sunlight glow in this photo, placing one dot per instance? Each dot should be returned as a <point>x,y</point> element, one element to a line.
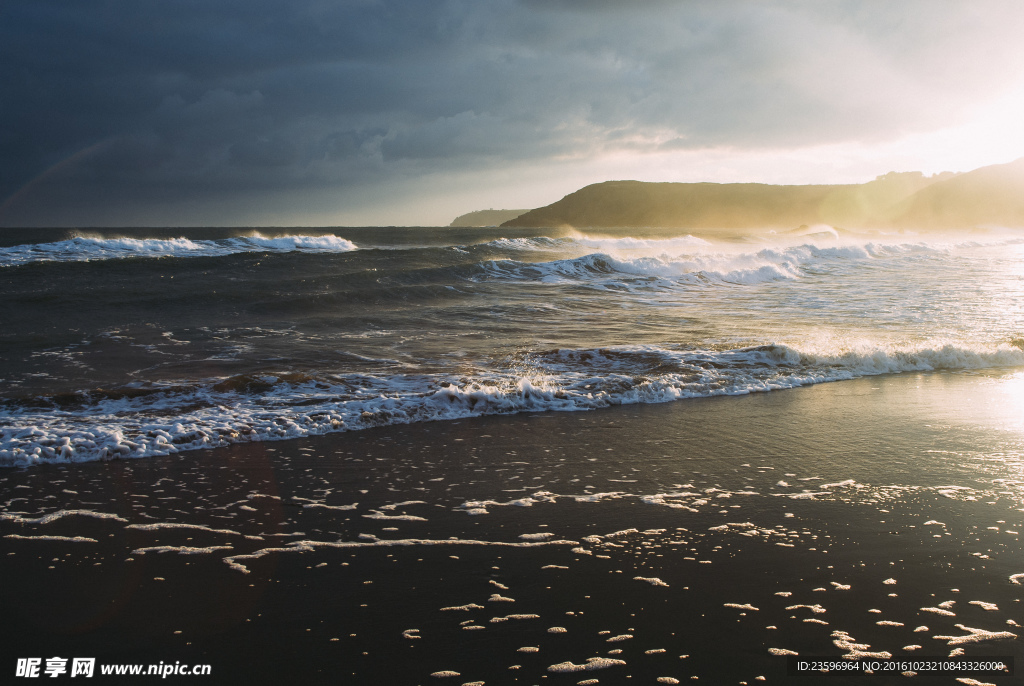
<point>992,136</point>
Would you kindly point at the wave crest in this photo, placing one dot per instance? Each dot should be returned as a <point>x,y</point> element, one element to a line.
<point>141,422</point>
<point>89,248</point>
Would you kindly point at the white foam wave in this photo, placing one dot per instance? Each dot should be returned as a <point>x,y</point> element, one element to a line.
<point>627,244</point>
<point>635,262</point>
<point>616,270</point>
<point>86,248</point>
<point>659,245</point>
<point>601,270</point>
<point>566,380</point>
<point>539,243</point>
<point>307,243</point>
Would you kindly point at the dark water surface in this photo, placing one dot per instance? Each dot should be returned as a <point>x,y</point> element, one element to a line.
<point>132,343</point>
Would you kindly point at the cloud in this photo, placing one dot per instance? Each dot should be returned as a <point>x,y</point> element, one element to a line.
<point>190,104</point>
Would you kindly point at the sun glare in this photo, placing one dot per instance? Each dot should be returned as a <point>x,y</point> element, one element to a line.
<point>993,134</point>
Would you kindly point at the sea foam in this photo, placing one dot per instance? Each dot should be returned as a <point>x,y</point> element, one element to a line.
<point>638,264</point>
<point>164,422</point>
<point>87,248</point>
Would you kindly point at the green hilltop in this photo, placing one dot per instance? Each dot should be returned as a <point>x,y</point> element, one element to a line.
<point>990,196</point>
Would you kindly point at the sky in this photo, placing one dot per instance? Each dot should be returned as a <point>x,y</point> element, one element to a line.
<point>411,112</point>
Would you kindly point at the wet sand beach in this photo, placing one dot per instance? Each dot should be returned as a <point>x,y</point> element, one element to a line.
<point>668,543</point>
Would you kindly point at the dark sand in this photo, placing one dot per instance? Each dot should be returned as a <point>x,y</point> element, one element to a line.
<point>680,474</point>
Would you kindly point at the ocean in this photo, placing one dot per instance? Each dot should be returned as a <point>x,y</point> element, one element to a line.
<point>134,343</point>
<point>510,456</point>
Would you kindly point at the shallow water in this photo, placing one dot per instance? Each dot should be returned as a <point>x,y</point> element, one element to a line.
<point>706,539</point>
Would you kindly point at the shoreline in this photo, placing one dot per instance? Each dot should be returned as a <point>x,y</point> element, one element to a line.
<point>874,461</point>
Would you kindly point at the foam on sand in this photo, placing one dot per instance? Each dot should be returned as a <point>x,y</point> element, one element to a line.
<point>374,542</point>
<point>404,503</point>
<point>180,549</point>
<point>816,609</point>
<point>69,539</point>
<point>991,607</point>
<point>463,608</point>
<point>181,525</point>
<point>856,651</point>
<point>652,580</point>
<point>974,636</point>
<point>938,611</point>
<point>591,664</point>
<point>377,514</point>
<point>59,514</point>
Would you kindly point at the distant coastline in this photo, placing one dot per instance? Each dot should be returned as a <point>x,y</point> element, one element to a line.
<point>482,218</point>
<point>986,197</point>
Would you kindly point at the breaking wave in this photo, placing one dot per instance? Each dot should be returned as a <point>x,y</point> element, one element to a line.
<point>605,269</point>
<point>630,262</point>
<point>86,248</point>
<point>146,420</point>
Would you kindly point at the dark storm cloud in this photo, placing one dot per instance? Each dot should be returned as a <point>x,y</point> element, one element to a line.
<point>109,104</point>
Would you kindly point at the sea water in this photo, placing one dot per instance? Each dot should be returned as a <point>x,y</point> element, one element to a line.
<point>133,343</point>
<point>736,513</point>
